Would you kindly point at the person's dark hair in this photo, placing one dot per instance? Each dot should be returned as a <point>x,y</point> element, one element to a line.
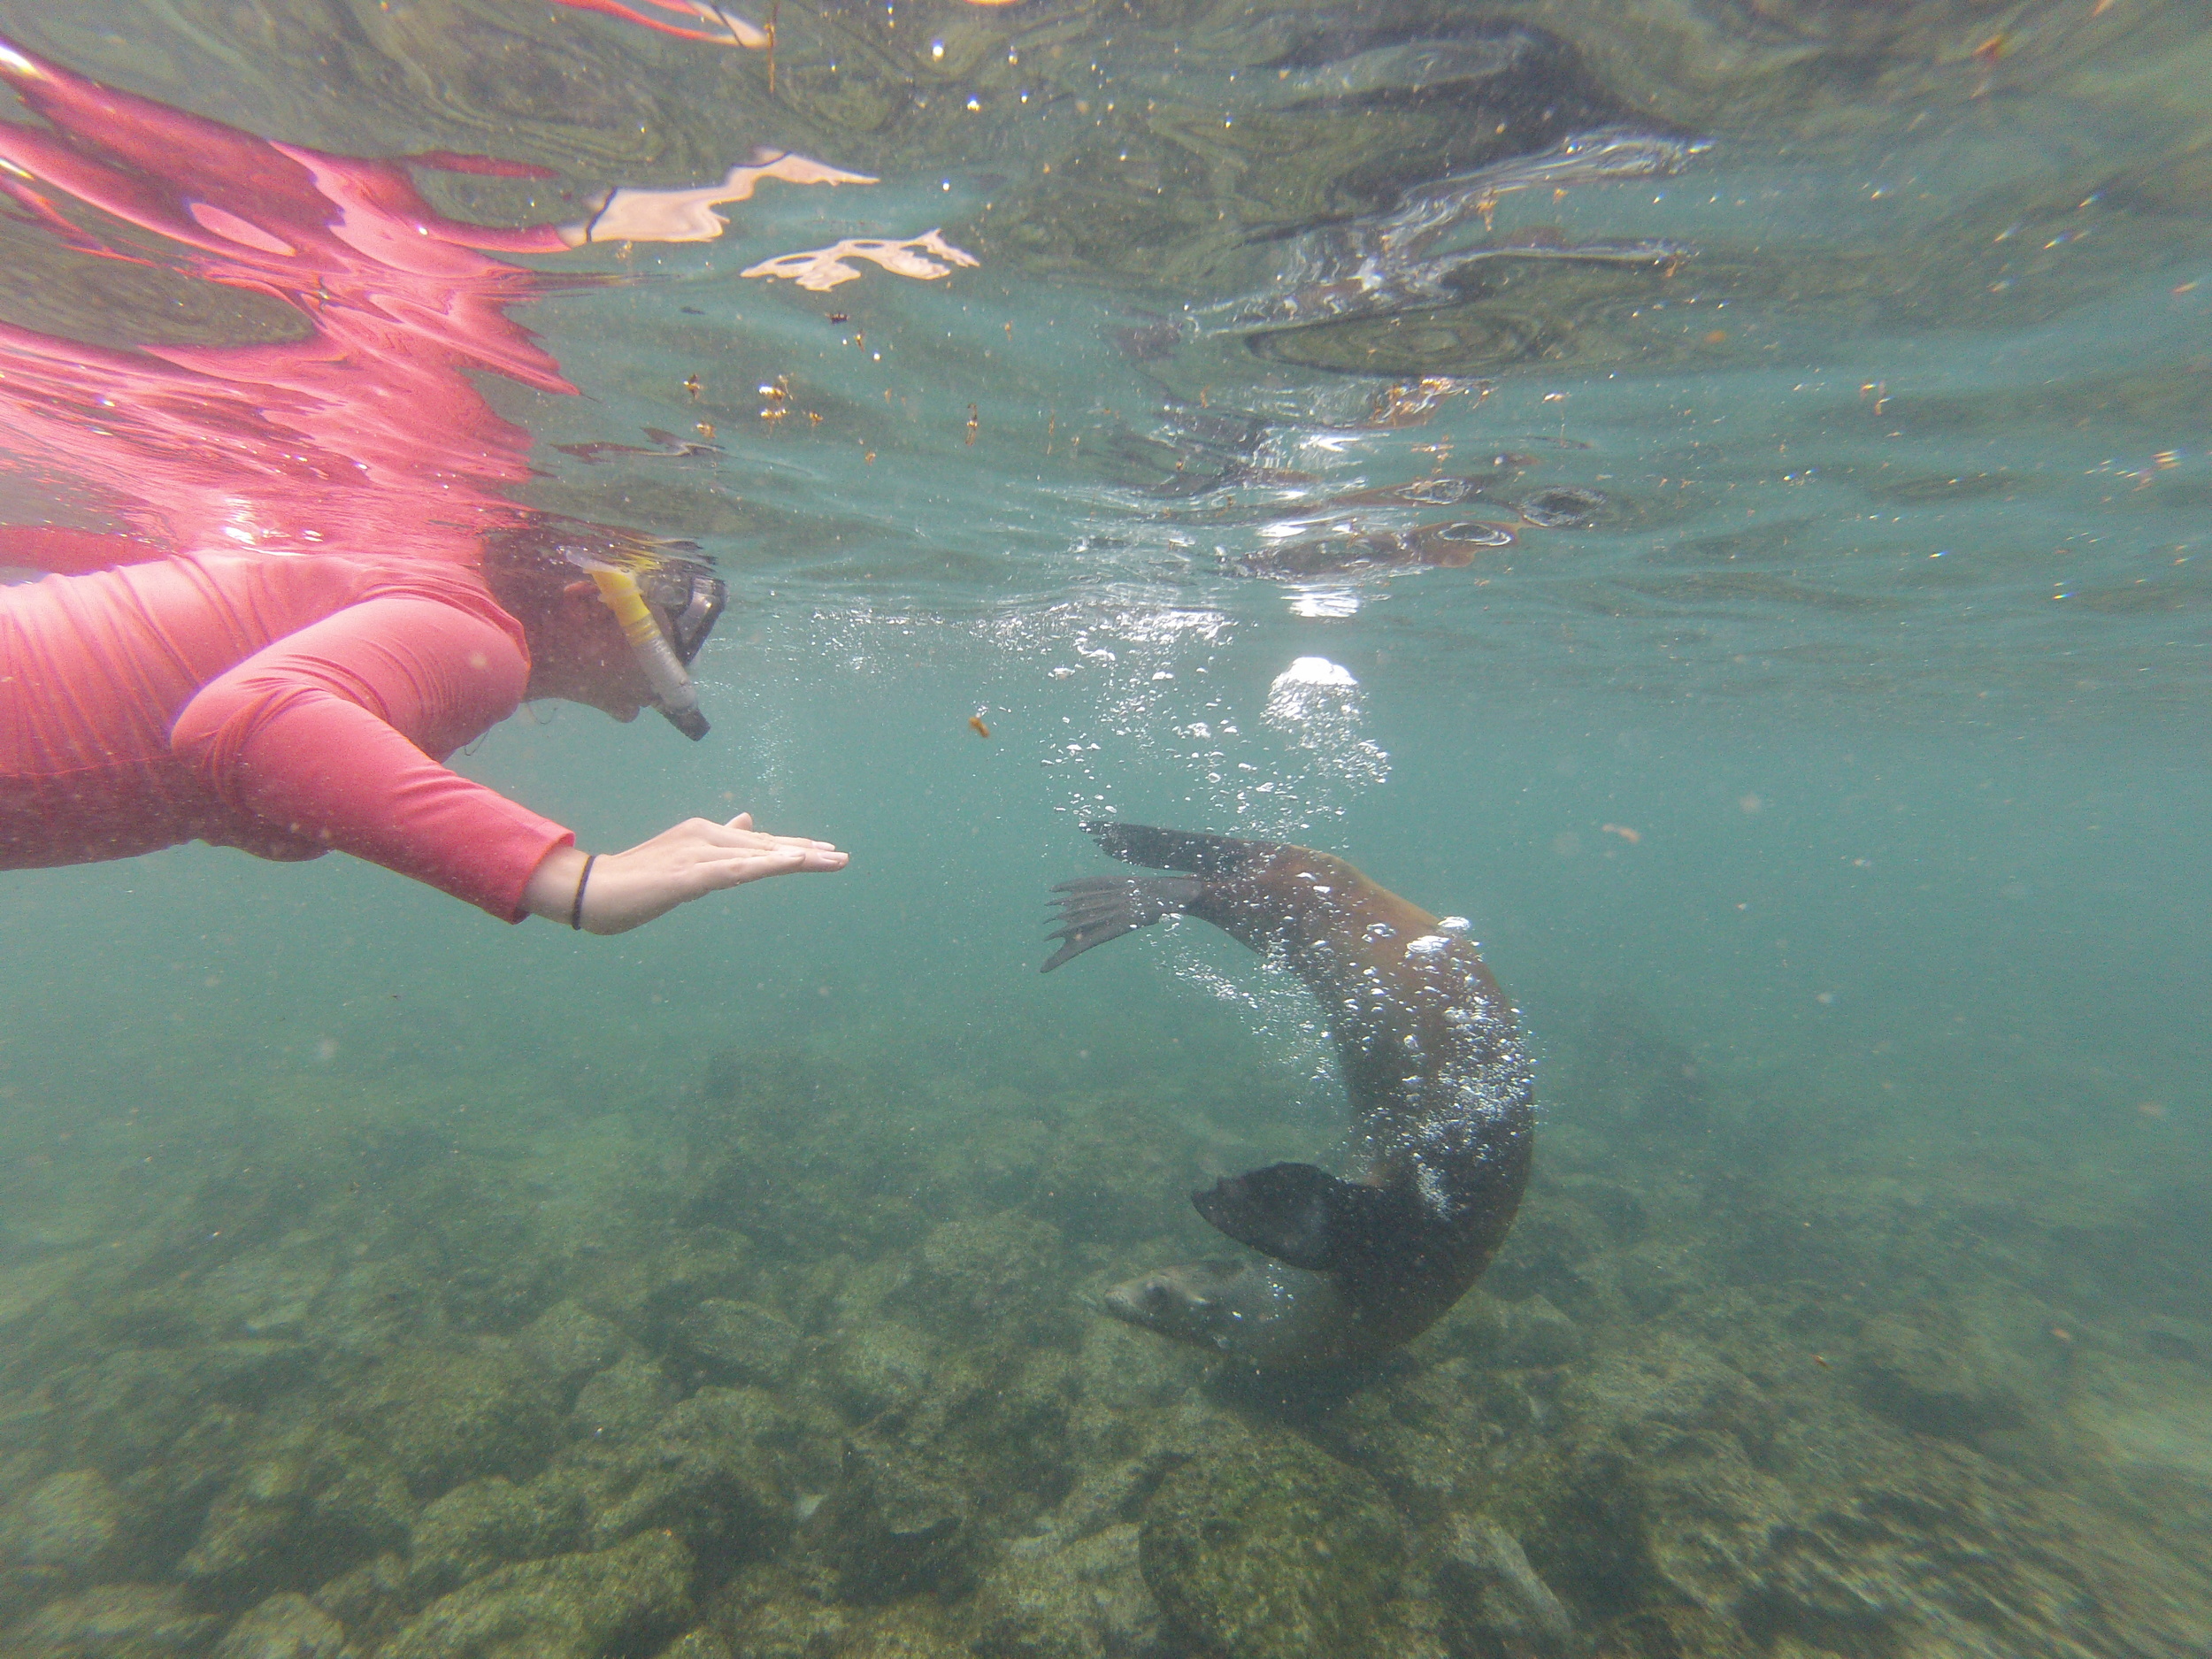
<point>529,566</point>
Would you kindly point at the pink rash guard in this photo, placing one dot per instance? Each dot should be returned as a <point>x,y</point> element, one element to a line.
<point>286,706</point>
<point>295,684</point>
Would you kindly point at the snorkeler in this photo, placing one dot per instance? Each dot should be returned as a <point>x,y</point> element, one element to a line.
<point>327,589</point>
<point>289,706</point>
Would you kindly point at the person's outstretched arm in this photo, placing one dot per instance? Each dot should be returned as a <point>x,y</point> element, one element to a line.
<point>697,857</point>
<point>329,735</point>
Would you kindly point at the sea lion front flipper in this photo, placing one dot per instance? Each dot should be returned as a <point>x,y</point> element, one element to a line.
<point>1100,907</point>
<point>1307,1217</point>
<point>1201,852</point>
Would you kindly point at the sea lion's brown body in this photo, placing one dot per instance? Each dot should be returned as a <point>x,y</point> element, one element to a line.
<point>1437,1076</point>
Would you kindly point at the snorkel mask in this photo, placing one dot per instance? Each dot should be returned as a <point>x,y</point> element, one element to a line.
<point>663,593</point>
<point>691,597</point>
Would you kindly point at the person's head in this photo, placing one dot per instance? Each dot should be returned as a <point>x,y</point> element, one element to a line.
<point>613,618</point>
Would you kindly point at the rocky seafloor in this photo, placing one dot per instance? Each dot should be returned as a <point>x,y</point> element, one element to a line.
<point>805,1363</point>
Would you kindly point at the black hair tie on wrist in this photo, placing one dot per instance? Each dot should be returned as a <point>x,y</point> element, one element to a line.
<point>576,910</point>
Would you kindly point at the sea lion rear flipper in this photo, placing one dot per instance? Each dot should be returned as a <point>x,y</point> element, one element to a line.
<point>1307,1217</point>
<point>1201,852</point>
<point>1100,907</point>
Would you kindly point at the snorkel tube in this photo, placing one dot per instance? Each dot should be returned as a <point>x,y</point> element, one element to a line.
<point>657,658</point>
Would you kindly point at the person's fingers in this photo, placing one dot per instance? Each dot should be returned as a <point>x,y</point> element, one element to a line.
<point>735,872</point>
<point>739,832</point>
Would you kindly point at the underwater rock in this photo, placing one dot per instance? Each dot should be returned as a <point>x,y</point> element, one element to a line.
<point>1944,1384</point>
<point>369,1600</point>
<point>1669,1380</point>
<point>251,1521</point>
<point>375,1305</point>
<point>1532,1332</point>
<point>702,1476</point>
<point>888,1530</point>
<point>1624,1216</point>
<point>1655,1493</point>
<point>2186,1340</point>
<point>115,1621</point>
<point>770,1615</point>
<point>267,1292</point>
<point>988,1275</point>
<point>1269,1550</point>
<point>447,1417</point>
<point>623,1401</point>
<point>1670,1632</point>
<point>1704,1520</point>
<point>877,1369</point>
<point>298,1503</point>
<point>66,1530</point>
<point>1123,1379</point>
<point>68,1521</point>
<point>128,1406</point>
<point>1655,1278</point>
<point>1561,1250</point>
<point>699,1643</point>
<point>569,1343</point>
<point>1111,1494</point>
<point>649,1295</point>
<point>566,1607</point>
<point>478,1249</point>
<point>1084,1600</point>
<point>1945,1553</point>
<point>286,1626</point>
<point>1493,1600</point>
<point>486,1524</point>
<point>738,1343</point>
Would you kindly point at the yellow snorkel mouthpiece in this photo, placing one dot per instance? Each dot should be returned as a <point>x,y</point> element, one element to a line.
<point>657,658</point>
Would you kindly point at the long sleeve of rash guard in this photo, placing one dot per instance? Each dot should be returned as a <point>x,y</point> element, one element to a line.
<point>329,735</point>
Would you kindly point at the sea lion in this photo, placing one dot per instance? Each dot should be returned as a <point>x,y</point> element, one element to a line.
<point>1440,1083</point>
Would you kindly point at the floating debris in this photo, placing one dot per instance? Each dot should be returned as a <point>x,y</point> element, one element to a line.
<point>1400,406</point>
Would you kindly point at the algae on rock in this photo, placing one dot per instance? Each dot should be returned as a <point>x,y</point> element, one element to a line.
<point>1266,1547</point>
<point>564,1607</point>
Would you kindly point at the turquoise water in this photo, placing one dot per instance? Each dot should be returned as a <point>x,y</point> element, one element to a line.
<point>1829,803</point>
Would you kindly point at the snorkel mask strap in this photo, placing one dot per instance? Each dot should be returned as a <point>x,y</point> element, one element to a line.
<point>657,658</point>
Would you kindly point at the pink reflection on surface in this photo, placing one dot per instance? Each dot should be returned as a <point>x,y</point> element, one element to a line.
<point>367,435</point>
<point>724,27</point>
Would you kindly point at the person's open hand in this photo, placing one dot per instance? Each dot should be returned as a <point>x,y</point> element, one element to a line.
<point>697,857</point>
